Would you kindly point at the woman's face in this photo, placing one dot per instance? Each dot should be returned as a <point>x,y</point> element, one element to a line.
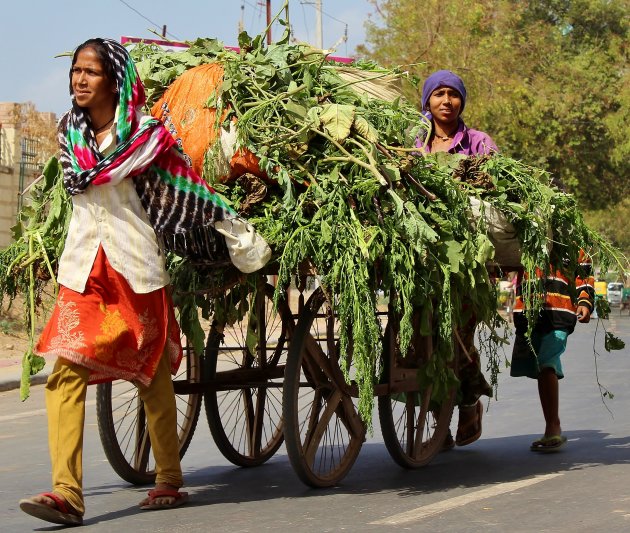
<point>445,104</point>
<point>91,87</point>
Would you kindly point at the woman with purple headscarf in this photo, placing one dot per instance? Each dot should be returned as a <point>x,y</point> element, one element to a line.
<point>443,102</point>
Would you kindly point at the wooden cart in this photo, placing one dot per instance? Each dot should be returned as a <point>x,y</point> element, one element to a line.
<point>323,431</point>
<point>239,378</point>
<point>284,380</point>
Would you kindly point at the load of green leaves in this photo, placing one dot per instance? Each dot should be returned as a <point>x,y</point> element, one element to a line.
<point>352,197</point>
<point>349,194</point>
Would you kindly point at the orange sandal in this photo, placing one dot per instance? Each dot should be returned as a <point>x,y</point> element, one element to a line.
<point>59,513</point>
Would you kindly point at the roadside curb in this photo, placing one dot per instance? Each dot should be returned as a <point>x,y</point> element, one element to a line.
<point>10,378</point>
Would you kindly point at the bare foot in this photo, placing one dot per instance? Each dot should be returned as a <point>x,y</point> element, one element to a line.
<point>47,500</point>
<point>41,498</point>
<point>469,426</point>
<point>551,430</point>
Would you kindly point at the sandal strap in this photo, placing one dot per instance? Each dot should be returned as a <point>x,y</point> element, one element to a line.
<point>59,502</point>
<point>165,493</point>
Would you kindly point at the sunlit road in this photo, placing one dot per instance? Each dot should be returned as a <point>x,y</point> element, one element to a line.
<point>495,484</point>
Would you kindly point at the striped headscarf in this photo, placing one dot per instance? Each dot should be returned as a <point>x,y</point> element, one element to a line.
<point>176,199</point>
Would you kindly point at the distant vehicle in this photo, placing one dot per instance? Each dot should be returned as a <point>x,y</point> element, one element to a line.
<point>600,289</point>
<point>615,293</point>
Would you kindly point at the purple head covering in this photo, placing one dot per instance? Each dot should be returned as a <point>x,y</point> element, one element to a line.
<point>443,78</point>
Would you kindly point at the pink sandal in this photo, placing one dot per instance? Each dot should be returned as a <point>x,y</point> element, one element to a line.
<point>59,513</point>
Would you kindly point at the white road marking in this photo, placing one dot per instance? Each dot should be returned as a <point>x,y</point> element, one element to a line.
<point>36,412</point>
<point>26,414</point>
<point>459,501</point>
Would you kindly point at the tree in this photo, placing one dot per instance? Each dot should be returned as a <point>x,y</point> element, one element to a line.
<point>547,79</point>
<point>40,128</point>
<point>605,222</point>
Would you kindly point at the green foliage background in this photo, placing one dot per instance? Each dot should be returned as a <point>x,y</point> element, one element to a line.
<point>612,223</point>
<point>548,80</point>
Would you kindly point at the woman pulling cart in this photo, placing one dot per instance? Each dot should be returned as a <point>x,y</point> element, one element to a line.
<point>114,319</point>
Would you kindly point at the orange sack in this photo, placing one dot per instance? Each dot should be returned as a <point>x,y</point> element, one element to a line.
<point>193,125</point>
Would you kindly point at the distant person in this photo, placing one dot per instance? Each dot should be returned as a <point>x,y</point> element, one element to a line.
<point>114,316</point>
<point>541,360</point>
<point>443,102</point>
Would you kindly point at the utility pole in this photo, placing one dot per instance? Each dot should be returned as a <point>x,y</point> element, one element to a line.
<point>268,21</point>
<point>319,34</point>
<point>268,2</point>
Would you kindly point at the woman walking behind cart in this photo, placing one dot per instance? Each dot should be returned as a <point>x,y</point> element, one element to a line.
<point>567,298</point>
<point>443,101</point>
<point>114,317</point>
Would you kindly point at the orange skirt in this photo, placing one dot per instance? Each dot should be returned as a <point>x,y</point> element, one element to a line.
<point>111,330</point>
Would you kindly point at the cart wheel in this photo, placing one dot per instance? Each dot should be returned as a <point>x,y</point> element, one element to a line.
<point>413,431</point>
<point>323,430</point>
<point>245,411</point>
<point>123,428</point>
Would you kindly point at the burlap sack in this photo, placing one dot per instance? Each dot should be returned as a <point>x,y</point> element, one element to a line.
<point>184,111</point>
<point>507,248</point>
<point>372,84</point>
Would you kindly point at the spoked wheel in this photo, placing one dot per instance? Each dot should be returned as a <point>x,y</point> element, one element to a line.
<point>246,364</point>
<point>413,427</point>
<point>123,426</point>
<point>323,431</point>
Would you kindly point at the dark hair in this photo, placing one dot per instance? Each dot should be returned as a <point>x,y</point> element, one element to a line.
<point>101,51</point>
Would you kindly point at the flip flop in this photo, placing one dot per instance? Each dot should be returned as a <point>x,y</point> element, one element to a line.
<point>548,444</point>
<point>473,423</point>
<point>60,513</point>
<point>180,498</point>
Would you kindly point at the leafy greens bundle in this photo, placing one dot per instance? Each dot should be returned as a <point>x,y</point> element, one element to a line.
<point>351,197</point>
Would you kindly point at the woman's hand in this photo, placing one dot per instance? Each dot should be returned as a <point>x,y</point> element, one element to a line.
<point>583,314</point>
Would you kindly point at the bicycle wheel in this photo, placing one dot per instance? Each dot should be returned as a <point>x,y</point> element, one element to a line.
<point>323,430</point>
<point>123,427</point>
<point>413,428</point>
<point>246,365</point>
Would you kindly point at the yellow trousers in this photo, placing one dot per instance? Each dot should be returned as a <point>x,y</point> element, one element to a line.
<point>65,403</point>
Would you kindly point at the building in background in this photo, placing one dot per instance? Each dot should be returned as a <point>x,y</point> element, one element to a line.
<point>22,156</point>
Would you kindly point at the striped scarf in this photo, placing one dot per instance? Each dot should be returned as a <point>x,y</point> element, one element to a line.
<point>176,199</point>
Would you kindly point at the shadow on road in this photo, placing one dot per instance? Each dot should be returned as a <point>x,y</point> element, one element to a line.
<point>486,462</point>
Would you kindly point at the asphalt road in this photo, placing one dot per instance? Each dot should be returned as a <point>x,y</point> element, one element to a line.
<point>495,484</point>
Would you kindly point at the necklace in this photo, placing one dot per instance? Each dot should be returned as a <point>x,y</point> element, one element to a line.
<point>445,137</point>
<point>104,126</point>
